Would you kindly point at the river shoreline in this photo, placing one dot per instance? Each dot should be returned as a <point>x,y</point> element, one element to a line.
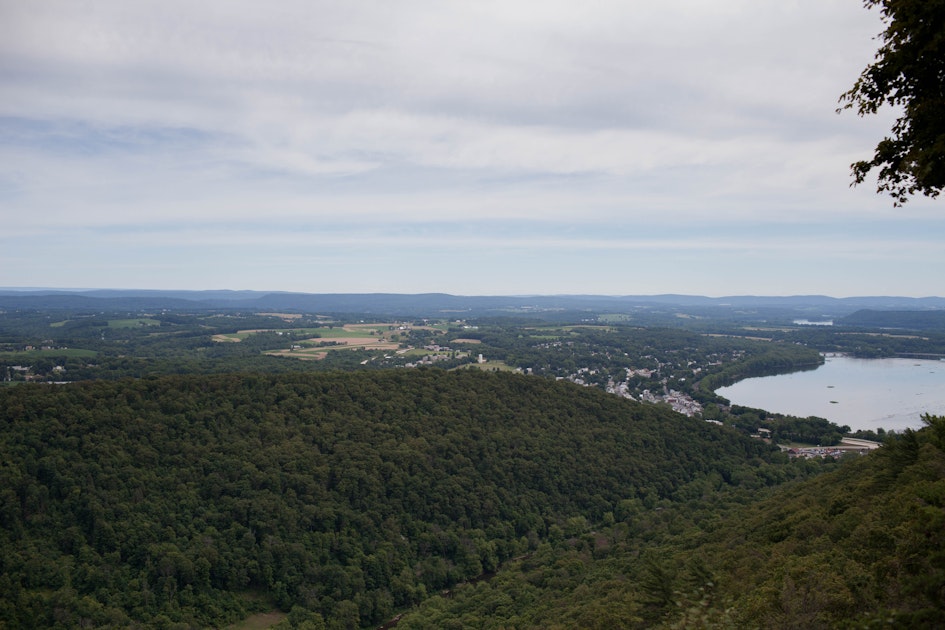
<point>867,394</point>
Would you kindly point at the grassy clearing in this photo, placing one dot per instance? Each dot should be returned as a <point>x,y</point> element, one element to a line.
<point>245,334</point>
<point>312,344</point>
<point>133,323</point>
<point>489,366</point>
<point>349,330</point>
<point>588,326</point>
<point>228,338</point>
<point>315,351</point>
<point>352,331</point>
<point>419,352</point>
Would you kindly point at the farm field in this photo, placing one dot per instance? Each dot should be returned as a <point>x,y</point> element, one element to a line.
<point>244,334</point>
<point>313,344</point>
<point>323,333</point>
<point>490,366</point>
<point>323,345</point>
<point>133,323</point>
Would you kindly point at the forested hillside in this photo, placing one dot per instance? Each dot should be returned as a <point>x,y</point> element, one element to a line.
<point>862,546</point>
<point>189,501</point>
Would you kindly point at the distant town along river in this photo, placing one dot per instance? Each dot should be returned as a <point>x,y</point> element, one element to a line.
<point>860,393</point>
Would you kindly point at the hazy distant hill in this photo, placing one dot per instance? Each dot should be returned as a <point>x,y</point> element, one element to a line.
<point>439,304</point>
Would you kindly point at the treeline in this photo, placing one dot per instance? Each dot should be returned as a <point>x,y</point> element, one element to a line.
<point>784,429</point>
<point>928,320</point>
<point>866,344</point>
<point>775,359</point>
<point>166,502</point>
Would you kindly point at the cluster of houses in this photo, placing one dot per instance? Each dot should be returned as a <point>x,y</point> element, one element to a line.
<point>830,451</point>
<point>437,353</point>
<point>847,445</point>
<point>25,373</point>
<point>680,402</point>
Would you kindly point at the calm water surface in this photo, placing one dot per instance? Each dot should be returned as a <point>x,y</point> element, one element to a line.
<point>860,393</point>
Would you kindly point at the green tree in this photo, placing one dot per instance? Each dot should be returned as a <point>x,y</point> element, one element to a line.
<point>908,72</point>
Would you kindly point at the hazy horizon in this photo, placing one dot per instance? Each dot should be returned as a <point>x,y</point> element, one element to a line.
<point>473,295</point>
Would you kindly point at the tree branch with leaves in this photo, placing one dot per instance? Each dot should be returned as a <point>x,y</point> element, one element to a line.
<point>908,72</point>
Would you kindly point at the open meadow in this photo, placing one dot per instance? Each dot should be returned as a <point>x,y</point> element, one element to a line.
<point>314,343</point>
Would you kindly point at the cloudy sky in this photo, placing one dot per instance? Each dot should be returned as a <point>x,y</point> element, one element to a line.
<point>483,147</point>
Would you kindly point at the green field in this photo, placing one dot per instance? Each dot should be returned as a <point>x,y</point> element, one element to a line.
<point>489,366</point>
<point>351,331</point>
<point>418,352</point>
<point>132,323</point>
<point>338,331</point>
<point>245,334</point>
<point>579,327</point>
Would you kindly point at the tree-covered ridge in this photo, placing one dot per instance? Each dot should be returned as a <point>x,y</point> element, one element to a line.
<point>346,496</point>
<point>862,546</point>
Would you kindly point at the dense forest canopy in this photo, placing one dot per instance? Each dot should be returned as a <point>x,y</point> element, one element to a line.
<point>346,495</point>
<point>860,546</point>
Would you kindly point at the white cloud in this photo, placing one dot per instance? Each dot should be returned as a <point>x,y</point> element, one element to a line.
<point>176,118</point>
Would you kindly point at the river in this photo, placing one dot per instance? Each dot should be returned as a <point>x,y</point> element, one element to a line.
<point>860,393</point>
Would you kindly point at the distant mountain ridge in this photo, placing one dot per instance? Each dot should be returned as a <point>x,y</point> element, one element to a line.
<point>436,303</point>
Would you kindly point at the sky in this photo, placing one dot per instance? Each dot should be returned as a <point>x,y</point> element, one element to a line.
<point>473,148</point>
